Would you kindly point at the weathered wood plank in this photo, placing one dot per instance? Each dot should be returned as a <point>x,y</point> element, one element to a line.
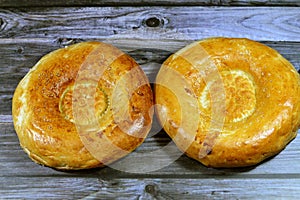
<point>19,55</point>
<point>13,157</point>
<point>48,188</point>
<point>24,3</point>
<point>92,188</point>
<point>202,188</point>
<point>182,23</point>
<point>21,178</point>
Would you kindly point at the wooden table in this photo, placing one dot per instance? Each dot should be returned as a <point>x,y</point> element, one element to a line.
<point>149,33</point>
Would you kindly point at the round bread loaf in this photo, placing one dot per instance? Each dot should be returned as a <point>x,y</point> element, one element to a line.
<point>228,102</point>
<point>83,106</point>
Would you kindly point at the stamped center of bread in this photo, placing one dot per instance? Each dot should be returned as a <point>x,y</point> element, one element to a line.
<point>101,103</point>
<point>239,94</point>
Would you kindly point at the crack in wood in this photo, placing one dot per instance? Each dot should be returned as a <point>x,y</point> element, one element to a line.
<point>2,24</point>
<point>68,41</point>
<point>52,3</point>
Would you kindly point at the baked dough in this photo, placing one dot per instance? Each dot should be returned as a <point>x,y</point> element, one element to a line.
<point>228,102</point>
<point>83,106</point>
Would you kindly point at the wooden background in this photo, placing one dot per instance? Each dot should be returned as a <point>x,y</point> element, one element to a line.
<point>149,32</point>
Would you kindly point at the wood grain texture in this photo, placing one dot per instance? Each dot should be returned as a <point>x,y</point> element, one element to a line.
<point>47,3</point>
<point>200,189</point>
<point>143,188</point>
<point>48,187</point>
<point>177,23</point>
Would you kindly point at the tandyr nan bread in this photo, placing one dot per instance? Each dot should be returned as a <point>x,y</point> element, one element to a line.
<point>228,102</point>
<point>82,106</point>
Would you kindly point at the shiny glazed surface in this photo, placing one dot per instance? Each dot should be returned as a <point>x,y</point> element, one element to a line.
<point>66,109</point>
<point>242,97</point>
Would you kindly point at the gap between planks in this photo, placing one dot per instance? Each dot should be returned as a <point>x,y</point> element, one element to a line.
<point>49,3</point>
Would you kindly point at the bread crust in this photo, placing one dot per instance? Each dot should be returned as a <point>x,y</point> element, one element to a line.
<point>261,105</point>
<point>42,112</point>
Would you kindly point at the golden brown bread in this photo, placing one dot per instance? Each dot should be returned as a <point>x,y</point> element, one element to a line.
<point>51,112</point>
<point>228,102</point>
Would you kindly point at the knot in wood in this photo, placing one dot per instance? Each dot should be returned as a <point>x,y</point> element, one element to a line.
<point>153,22</point>
<point>150,189</point>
